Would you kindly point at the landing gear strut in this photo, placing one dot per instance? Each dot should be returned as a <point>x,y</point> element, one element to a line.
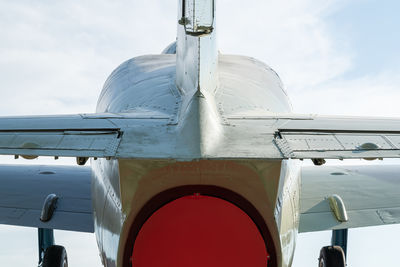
<point>50,255</point>
<point>339,238</point>
<point>335,255</point>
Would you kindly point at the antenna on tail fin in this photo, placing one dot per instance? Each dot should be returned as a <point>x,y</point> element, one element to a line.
<point>197,53</point>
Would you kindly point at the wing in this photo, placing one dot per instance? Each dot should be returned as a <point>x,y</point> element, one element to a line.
<point>70,135</point>
<point>24,189</point>
<point>83,135</point>
<point>328,137</point>
<point>155,135</point>
<point>370,195</point>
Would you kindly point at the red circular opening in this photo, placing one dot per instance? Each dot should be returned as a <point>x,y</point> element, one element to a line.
<point>199,231</point>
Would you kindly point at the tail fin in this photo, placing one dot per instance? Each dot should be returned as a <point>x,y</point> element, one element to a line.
<point>197,53</point>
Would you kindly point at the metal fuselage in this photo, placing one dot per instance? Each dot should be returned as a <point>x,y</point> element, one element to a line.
<point>199,111</point>
<point>272,186</point>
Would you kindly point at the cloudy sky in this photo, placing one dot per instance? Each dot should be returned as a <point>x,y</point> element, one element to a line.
<point>334,56</point>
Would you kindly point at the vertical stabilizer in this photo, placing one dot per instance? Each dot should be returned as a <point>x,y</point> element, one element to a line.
<point>197,53</point>
<point>196,73</point>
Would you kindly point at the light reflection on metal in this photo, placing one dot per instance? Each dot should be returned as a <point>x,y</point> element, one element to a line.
<point>367,147</point>
<point>49,205</point>
<point>338,208</point>
<point>198,16</point>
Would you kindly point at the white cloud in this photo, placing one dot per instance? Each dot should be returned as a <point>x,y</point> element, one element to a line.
<point>371,95</point>
<point>58,54</point>
<point>291,36</point>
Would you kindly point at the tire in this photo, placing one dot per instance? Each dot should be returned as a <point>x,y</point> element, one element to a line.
<point>55,256</point>
<point>332,256</point>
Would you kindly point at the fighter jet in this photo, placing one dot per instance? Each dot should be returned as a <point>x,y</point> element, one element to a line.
<point>195,160</point>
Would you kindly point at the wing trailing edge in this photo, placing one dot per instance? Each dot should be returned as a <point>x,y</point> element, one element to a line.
<point>131,135</point>
<point>339,138</point>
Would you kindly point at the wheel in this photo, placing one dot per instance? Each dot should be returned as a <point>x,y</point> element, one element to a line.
<point>55,256</point>
<point>332,256</point>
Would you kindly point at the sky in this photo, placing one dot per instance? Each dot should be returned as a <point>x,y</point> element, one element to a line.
<point>334,57</point>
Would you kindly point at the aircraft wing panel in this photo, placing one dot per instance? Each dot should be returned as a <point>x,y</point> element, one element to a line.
<point>65,135</point>
<point>153,135</point>
<point>370,194</point>
<point>339,138</point>
<point>23,189</point>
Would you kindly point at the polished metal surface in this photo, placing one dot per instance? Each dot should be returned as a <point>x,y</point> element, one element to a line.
<point>338,208</point>
<point>194,117</point>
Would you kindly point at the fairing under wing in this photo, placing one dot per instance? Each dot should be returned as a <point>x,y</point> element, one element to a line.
<point>24,188</point>
<point>370,195</point>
